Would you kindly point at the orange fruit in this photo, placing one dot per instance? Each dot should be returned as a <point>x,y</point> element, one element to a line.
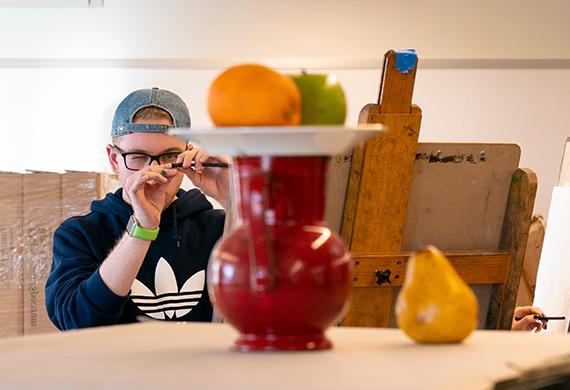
<point>254,95</point>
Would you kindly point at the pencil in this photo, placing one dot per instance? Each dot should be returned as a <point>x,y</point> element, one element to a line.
<point>539,317</point>
<point>542,318</point>
<point>206,165</point>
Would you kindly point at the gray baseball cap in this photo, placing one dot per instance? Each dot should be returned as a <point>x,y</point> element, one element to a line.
<point>141,98</point>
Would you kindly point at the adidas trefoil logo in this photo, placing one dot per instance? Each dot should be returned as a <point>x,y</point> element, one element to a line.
<point>168,301</point>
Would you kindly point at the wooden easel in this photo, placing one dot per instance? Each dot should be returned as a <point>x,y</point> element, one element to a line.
<point>378,188</point>
<point>375,211</point>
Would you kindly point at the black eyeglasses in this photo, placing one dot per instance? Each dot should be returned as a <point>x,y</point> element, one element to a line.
<point>135,161</point>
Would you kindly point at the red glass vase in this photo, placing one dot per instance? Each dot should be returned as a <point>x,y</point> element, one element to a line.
<point>280,277</point>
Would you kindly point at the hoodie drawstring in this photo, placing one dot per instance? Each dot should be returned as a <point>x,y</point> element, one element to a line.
<point>175,226</point>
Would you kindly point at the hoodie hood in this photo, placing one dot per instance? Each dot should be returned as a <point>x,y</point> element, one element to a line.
<point>187,204</point>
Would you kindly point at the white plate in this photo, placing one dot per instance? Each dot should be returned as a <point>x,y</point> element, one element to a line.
<point>279,140</point>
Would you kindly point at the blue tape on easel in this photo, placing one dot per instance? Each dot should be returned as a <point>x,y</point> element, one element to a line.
<point>406,60</point>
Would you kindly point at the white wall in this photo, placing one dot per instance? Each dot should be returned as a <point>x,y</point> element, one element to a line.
<point>440,29</point>
<point>60,118</point>
<point>58,97</point>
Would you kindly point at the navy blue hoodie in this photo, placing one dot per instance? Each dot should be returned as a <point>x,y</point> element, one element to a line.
<point>171,283</point>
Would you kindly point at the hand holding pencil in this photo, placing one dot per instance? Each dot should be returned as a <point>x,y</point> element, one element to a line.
<point>530,318</point>
<point>205,173</point>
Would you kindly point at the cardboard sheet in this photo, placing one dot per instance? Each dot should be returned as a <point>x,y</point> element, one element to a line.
<point>11,278</point>
<point>32,206</point>
<point>42,215</point>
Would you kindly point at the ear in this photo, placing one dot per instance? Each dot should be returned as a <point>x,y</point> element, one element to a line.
<point>113,158</point>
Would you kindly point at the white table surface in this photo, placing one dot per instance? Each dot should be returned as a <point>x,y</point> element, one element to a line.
<point>197,356</point>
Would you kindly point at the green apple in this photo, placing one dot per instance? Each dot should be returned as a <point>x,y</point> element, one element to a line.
<point>322,99</point>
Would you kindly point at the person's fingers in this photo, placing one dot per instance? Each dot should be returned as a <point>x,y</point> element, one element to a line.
<point>157,177</point>
<point>135,182</point>
<point>167,171</point>
<point>180,157</point>
<point>160,170</point>
<point>189,156</point>
<point>533,323</point>
<point>535,310</point>
<point>147,203</point>
<point>521,311</point>
<point>151,178</point>
<point>544,322</point>
<point>517,325</point>
<point>150,175</point>
<point>196,155</point>
<point>201,157</point>
<point>525,323</point>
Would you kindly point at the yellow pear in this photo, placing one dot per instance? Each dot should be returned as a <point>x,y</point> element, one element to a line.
<point>435,305</point>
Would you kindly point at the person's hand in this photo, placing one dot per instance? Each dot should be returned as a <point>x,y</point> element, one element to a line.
<point>146,192</point>
<point>214,182</point>
<point>523,319</point>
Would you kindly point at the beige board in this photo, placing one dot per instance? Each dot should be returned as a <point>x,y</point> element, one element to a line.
<point>457,205</point>
<point>458,201</point>
<point>458,198</point>
<point>11,307</point>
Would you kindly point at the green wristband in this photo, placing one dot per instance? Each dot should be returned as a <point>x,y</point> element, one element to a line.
<point>134,230</point>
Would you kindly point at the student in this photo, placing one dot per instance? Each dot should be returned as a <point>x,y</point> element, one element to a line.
<point>142,251</point>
